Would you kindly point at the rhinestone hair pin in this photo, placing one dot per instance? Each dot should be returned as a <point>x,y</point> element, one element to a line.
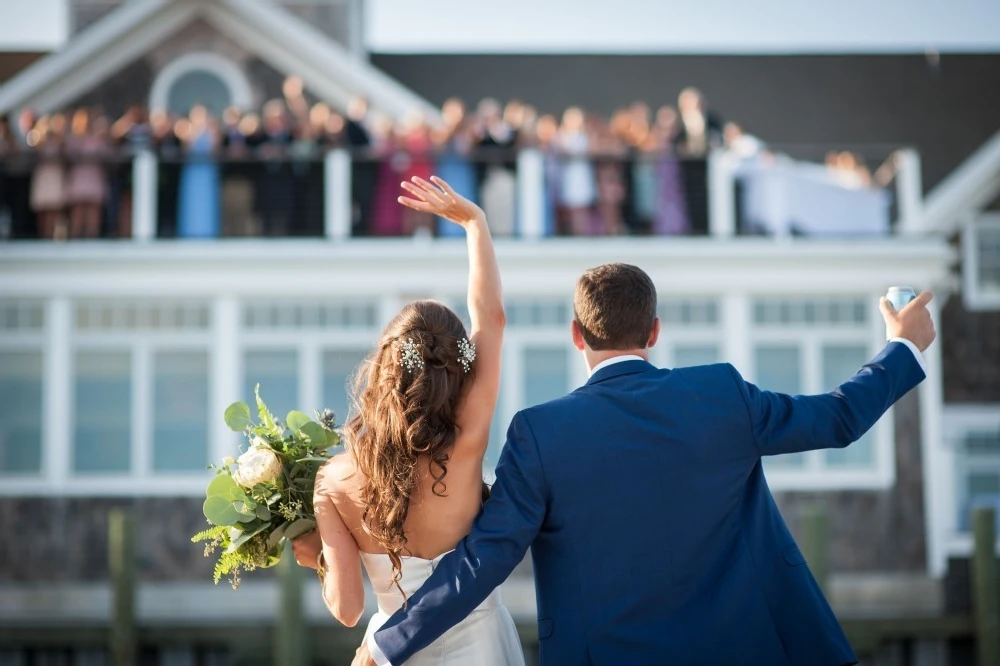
<point>410,357</point>
<point>466,353</point>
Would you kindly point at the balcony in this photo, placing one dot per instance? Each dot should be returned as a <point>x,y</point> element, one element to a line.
<point>342,195</point>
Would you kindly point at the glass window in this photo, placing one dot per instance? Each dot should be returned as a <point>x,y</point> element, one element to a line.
<point>102,411</point>
<point>989,258</point>
<point>840,363</point>
<point>180,411</point>
<point>546,374</point>
<point>688,355</point>
<point>20,411</point>
<point>978,466</point>
<point>339,368</point>
<point>277,372</point>
<point>778,368</point>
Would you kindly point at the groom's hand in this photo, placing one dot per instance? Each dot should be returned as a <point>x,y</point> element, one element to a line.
<point>362,657</point>
<point>912,323</point>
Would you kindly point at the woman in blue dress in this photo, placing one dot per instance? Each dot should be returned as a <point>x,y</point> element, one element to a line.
<point>199,190</point>
<point>453,163</point>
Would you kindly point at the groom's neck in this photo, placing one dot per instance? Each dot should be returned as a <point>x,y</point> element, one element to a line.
<point>595,358</point>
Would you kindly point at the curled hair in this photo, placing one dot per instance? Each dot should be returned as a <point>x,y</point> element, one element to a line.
<point>404,411</point>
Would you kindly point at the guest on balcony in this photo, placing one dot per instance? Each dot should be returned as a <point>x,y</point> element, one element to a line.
<point>48,182</point>
<point>87,183</point>
<point>454,143</point>
<point>199,189</point>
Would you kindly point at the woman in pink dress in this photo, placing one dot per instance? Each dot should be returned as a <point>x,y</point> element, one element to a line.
<point>48,182</point>
<point>87,187</point>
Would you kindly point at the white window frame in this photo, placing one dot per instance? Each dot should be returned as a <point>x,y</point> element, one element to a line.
<point>957,421</point>
<point>815,475</point>
<point>142,346</point>
<point>973,295</point>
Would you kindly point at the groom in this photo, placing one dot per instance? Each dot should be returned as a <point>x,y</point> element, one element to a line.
<point>653,533</point>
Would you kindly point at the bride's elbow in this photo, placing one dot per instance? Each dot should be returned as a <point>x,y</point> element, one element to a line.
<point>348,618</point>
<point>348,613</point>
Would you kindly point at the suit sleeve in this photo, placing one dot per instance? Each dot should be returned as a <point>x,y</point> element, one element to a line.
<point>463,578</point>
<point>791,423</point>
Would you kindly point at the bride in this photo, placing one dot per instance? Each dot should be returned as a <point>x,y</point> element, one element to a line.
<point>409,484</point>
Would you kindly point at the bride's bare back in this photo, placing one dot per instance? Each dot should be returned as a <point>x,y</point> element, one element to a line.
<point>434,522</point>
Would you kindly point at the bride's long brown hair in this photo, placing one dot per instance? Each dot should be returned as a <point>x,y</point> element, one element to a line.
<point>402,413</point>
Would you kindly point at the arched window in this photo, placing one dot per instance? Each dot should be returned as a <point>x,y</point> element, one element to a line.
<point>200,78</point>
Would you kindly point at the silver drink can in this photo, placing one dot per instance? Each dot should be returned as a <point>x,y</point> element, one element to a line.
<point>898,297</point>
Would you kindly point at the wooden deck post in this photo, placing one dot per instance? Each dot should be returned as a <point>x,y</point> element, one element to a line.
<point>290,644</point>
<point>985,587</point>
<point>816,544</point>
<point>122,565</point>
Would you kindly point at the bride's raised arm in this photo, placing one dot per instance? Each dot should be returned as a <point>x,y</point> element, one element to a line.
<point>486,310</point>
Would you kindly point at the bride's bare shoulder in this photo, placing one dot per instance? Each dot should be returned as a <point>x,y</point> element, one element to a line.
<point>338,475</point>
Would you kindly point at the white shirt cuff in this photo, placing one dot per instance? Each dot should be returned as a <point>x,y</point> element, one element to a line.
<point>916,353</point>
<point>376,652</point>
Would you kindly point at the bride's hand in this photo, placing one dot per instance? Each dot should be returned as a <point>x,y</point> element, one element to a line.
<point>307,549</point>
<point>439,199</point>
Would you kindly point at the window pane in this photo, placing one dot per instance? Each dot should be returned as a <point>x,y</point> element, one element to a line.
<point>989,259</point>
<point>102,411</point>
<point>21,412</point>
<point>686,356</point>
<point>180,411</point>
<point>277,372</point>
<point>840,363</point>
<point>546,374</point>
<point>339,367</point>
<point>778,368</point>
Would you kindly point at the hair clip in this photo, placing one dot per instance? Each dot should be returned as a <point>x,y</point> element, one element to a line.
<point>466,353</point>
<point>410,357</point>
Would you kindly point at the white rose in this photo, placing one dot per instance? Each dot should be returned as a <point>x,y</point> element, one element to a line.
<point>258,465</point>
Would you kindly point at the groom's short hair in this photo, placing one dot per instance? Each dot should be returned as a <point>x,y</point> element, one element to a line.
<point>615,307</point>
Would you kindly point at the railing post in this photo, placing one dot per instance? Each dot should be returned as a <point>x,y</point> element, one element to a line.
<point>985,587</point>
<point>145,177</point>
<point>909,192</point>
<point>816,544</point>
<point>290,644</point>
<point>721,195</point>
<point>531,193</point>
<point>121,561</point>
<point>337,190</point>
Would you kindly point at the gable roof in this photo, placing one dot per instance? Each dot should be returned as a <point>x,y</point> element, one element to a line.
<point>270,32</point>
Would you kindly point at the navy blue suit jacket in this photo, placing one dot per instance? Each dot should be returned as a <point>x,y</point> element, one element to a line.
<point>653,533</point>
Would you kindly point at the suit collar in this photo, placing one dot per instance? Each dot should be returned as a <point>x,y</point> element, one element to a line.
<point>619,369</point>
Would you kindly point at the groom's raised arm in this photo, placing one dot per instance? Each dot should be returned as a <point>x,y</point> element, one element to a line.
<point>783,423</point>
<point>481,561</point>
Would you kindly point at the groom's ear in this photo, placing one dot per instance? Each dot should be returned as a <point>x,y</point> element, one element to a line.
<point>578,340</point>
<point>654,335</point>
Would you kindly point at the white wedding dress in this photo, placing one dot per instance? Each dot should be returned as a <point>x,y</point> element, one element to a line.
<point>486,637</point>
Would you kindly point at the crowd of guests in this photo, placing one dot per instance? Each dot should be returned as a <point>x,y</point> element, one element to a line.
<point>251,173</point>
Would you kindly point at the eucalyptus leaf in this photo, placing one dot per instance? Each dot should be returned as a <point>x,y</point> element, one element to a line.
<point>273,498</point>
<point>299,527</point>
<point>238,416</point>
<point>332,438</point>
<point>315,433</point>
<point>296,419</point>
<point>220,511</point>
<point>222,485</point>
<point>263,512</point>
<point>246,536</point>
<point>274,539</point>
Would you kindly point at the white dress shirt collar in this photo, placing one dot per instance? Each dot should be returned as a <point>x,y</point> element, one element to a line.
<point>615,359</point>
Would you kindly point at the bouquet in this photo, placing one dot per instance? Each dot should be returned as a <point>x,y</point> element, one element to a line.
<point>262,499</point>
